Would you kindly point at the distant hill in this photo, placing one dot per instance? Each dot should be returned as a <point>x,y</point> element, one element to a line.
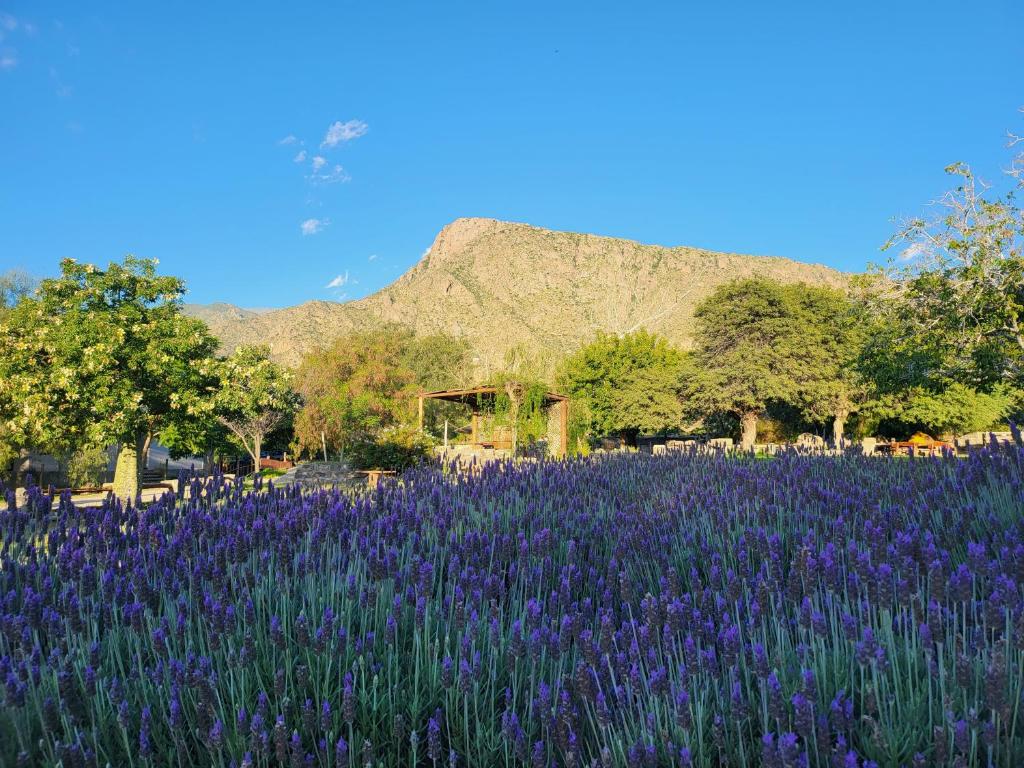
<point>502,285</point>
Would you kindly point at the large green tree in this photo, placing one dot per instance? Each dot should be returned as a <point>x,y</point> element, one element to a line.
<point>99,356</point>
<point>758,342</point>
<point>833,329</point>
<point>629,384</point>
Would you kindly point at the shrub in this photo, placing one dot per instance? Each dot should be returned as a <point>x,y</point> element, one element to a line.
<point>87,466</point>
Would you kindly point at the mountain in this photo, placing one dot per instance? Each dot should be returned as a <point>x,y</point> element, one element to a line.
<point>502,285</point>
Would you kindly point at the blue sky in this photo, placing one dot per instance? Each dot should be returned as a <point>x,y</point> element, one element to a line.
<point>799,130</point>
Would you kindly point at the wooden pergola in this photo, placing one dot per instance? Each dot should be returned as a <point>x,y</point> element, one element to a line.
<point>474,396</point>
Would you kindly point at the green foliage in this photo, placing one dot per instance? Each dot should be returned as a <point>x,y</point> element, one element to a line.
<point>833,331</point>
<point>201,434</point>
<point>520,406</point>
<point>355,388</point>
<point>437,361</point>
<point>395,448</point>
<point>579,428</point>
<point>752,350</point>
<point>519,403</point>
<point>955,410</point>
<point>87,466</point>
<point>947,335</point>
<point>253,397</point>
<point>626,384</point>
<point>956,294</point>
<point>766,345</point>
<point>99,356</point>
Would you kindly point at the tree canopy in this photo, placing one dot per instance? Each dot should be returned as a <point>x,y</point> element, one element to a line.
<point>759,341</point>
<point>628,384</point>
<point>99,356</point>
<point>957,409</point>
<point>253,397</point>
<point>958,285</point>
<point>353,389</point>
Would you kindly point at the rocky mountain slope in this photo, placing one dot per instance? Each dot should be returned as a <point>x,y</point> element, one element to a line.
<point>502,285</point>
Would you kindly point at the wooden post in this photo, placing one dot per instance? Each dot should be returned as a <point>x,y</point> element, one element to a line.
<point>475,432</point>
<point>446,434</point>
<point>420,408</point>
<point>565,428</point>
<point>323,442</point>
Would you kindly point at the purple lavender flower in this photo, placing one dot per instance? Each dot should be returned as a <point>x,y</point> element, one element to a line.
<point>434,739</point>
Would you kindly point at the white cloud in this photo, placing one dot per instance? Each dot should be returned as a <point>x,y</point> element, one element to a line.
<point>312,226</point>
<point>340,281</point>
<point>301,157</point>
<point>8,22</point>
<point>289,139</point>
<point>912,251</point>
<point>372,257</point>
<point>333,176</point>
<point>425,251</point>
<point>339,132</point>
<point>319,162</point>
<point>8,59</point>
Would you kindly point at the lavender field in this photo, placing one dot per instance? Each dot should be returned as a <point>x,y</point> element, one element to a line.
<point>624,610</point>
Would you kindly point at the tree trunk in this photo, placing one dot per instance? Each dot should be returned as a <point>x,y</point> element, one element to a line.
<point>748,431</point>
<point>128,470</point>
<point>838,424</point>
<point>11,473</point>
<point>208,463</point>
<point>144,458</point>
<point>257,442</point>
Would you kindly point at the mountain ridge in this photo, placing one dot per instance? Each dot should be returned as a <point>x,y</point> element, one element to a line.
<point>506,284</point>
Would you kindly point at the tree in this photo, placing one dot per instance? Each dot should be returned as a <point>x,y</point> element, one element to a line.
<point>98,357</point>
<point>437,361</point>
<point>253,397</point>
<point>15,284</point>
<point>752,349</point>
<point>629,384</point>
<point>950,412</point>
<point>833,330</point>
<point>353,389</point>
<point>200,434</point>
<point>958,285</point>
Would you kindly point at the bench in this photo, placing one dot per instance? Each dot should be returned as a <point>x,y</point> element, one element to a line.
<point>373,476</point>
